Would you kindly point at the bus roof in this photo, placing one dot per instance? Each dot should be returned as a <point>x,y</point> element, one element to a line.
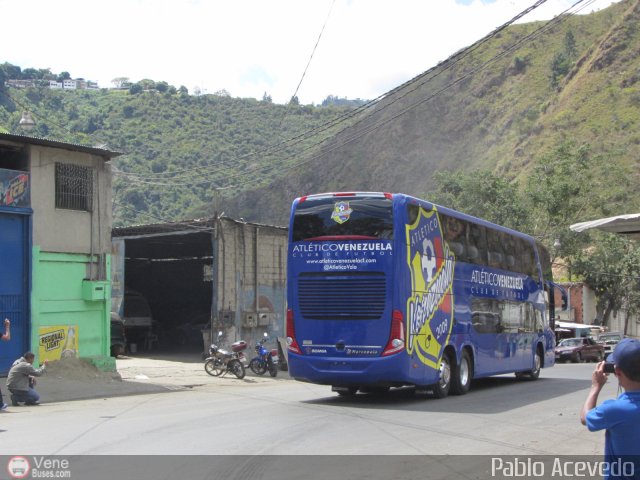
<point>410,198</point>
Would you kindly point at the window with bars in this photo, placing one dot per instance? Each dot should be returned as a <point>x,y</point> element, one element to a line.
<point>74,187</point>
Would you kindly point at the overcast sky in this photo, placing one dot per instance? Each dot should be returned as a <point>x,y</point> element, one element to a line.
<point>249,47</point>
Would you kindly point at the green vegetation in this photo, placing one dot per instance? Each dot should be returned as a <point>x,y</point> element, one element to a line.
<point>565,187</point>
<point>536,128</point>
<point>179,148</point>
<point>503,107</point>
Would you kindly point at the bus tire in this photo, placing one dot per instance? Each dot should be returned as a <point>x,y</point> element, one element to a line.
<point>462,375</point>
<point>442,387</point>
<point>534,373</point>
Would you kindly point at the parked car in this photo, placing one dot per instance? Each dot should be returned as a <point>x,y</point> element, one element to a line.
<point>137,313</point>
<point>579,349</point>
<point>118,338</point>
<point>609,341</point>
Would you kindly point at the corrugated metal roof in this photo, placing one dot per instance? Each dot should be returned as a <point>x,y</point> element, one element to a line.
<point>184,226</point>
<point>102,152</point>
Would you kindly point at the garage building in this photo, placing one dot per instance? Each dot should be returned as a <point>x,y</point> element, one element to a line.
<point>212,274</point>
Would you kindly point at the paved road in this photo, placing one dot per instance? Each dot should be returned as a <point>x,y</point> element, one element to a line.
<point>260,416</point>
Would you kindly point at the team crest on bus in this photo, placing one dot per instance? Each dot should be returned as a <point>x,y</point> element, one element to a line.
<point>430,306</point>
<point>341,212</point>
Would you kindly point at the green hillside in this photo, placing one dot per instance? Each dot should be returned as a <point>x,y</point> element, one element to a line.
<point>498,108</point>
<point>500,105</point>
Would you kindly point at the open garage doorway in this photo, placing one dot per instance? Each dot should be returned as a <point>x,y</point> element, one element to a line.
<point>164,284</point>
<point>171,271</point>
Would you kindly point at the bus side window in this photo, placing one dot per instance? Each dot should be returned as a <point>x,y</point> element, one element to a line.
<point>453,231</point>
<point>476,244</point>
<point>525,258</point>
<point>495,249</point>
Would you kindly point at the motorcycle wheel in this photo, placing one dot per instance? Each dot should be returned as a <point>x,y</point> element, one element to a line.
<point>273,369</point>
<point>257,366</point>
<point>237,368</point>
<point>213,367</point>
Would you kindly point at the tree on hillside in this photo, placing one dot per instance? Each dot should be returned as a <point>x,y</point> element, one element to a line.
<point>612,269</point>
<point>38,74</point>
<point>11,72</point>
<point>147,84</point>
<point>120,82</point>
<point>162,86</point>
<point>568,185</point>
<point>570,45</point>
<point>564,60</point>
<point>482,194</point>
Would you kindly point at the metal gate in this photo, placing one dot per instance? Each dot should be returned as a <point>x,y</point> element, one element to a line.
<point>14,285</point>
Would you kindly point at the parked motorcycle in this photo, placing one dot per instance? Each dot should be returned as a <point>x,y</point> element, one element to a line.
<point>266,359</point>
<point>220,361</point>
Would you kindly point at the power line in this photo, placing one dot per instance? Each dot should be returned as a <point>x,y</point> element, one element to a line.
<point>452,61</point>
<point>307,66</point>
<point>419,81</point>
<point>44,119</point>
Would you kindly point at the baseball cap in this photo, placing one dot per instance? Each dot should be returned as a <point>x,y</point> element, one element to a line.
<point>626,356</point>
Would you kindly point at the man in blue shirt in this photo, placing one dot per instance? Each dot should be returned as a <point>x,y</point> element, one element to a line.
<point>620,417</point>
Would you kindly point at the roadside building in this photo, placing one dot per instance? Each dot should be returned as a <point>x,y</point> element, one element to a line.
<point>582,310</point>
<point>190,272</point>
<point>55,224</point>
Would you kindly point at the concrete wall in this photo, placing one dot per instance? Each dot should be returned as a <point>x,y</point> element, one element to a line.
<point>583,310</point>
<point>69,231</point>
<point>589,302</point>
<point>252,279</point>
<point>618,320</point>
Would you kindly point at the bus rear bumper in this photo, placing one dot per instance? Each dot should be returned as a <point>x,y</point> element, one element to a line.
<point>376,371</point>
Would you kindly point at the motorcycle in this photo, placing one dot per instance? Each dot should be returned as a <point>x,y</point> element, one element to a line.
<point>220,361</point>
<point>266,359</point>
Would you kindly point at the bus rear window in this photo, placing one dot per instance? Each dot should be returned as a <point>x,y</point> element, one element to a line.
<point>329,218</point>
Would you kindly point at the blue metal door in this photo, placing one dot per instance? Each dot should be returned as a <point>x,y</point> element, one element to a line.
<point>14,285</point>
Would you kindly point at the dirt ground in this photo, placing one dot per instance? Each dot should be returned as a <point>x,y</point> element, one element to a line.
<point>73,379</point>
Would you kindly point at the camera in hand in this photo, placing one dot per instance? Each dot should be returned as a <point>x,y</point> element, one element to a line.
<point>608,368</point>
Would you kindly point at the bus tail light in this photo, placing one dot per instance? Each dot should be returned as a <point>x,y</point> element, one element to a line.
<point>396,337</point>
<point>292,343</point>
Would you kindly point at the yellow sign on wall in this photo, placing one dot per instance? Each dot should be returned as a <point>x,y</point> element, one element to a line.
<point>58,342</point>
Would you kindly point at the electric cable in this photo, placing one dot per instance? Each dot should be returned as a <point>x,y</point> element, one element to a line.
<point>257,169</point>
<point>307,66</point>
<point>423,78</point>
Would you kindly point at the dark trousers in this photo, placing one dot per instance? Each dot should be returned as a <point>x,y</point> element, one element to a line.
<point>27,396</point>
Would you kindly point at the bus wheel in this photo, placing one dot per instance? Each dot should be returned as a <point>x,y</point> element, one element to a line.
<point>535,372</point>
<point>441,389</point>
<point>461,380</point>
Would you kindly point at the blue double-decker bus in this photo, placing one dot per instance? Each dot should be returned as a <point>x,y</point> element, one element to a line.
<point>387,290</point>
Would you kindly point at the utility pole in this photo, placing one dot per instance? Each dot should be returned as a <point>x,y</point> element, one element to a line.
<point>215,263</point>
